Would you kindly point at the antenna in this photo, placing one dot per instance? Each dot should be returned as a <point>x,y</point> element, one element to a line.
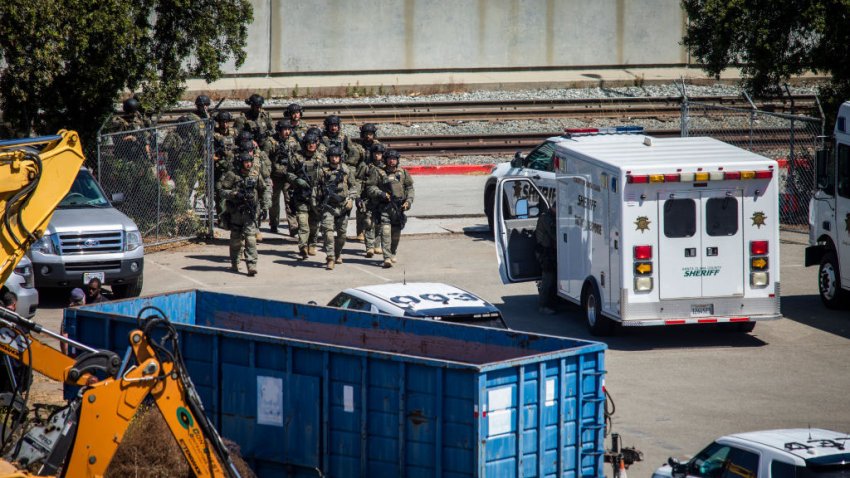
<point>810,431</point>
<point>404,276</point>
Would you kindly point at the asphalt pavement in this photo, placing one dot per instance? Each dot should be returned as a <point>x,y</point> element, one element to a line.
<point>675,388</point>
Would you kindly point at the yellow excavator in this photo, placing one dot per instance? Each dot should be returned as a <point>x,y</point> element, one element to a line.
<point>80,438</point>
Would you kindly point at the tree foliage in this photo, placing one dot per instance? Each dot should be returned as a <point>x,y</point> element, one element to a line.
<point>66,62</point>
<point>772,40</point>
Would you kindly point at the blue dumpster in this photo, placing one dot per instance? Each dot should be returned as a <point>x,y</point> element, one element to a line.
<point>315,391</point>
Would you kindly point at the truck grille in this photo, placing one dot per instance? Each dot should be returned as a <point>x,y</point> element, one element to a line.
<point>92,266</point>
<point>91,242</point>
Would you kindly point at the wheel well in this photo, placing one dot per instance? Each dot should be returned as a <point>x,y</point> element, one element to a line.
<point>588,286</point>
<point>827,242</point>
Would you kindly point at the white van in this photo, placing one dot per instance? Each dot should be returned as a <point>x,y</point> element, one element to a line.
<point>652,231</point>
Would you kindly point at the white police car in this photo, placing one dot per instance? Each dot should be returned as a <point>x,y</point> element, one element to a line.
<point>540,165</point>
<point>421,300</point>
<point>789,453</point>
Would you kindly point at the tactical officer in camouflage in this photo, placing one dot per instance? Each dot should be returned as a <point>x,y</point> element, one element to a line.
<point>304,176</point>
<point>333,136</point>
<point>337,189</point>
<point>281,148</point>
<point>256,120</point>
<point>367,174</point>
<point>294,112</point>
<point>202,106</point>
<point>361,152</point>
<point>244,190</point>
<point>224,147</point>
<point>394,193</point>
<point>263,164</point>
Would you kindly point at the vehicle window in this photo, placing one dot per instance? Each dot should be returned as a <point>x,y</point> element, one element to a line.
<point>521,189</point>
<point>342,300</point>
<point>84,193</point>
<point>541,158</point>
<point>721,216</point>
<point>723,461</point>
<point>780,469</point>
<point>359,304</point>
<point>843,176</point>
<point>680,218</point>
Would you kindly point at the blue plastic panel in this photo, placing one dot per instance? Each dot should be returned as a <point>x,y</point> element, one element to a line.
<point>308,388</point>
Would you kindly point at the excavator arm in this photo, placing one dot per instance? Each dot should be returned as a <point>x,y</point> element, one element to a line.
<point>81,438</point>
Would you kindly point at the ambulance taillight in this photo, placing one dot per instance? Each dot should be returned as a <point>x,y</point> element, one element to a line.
<point>759,276</point>
<point>643,268</point>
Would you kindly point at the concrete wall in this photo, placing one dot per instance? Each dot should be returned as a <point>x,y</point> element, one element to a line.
<point>297,36</point>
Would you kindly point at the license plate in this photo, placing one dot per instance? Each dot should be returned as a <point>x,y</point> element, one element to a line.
<point>702,310</point>
<point>88,276</point>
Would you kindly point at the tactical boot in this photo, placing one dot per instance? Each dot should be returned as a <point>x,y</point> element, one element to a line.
<point>234,266</point>
<point>303,252</point>
<point>393,259</point>
<point>330,264</point>
<point>387,264</point>
<point>338,260</point>
<point>360,237</point>
<point>378,250</point>
<point>311,250</point>
<point>273,229</point>
<point>370,252</point>
<point>252,271</point>
<point>259,236</point>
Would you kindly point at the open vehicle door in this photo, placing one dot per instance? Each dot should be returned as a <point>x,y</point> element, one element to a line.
<point>517,206</point>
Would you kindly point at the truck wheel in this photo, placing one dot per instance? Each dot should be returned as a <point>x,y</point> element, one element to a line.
<point>829,282</point>
<point>598,324</point>
<point>489,201</point>
<point>130,289</point>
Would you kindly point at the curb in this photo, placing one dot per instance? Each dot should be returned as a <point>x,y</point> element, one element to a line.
<point>450,169</point>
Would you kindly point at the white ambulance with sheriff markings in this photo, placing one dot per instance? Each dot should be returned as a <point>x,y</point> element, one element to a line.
<point>651,231</point>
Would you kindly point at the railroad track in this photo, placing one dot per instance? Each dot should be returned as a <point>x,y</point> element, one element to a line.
<point>494,111</point>
<point>505,144</point>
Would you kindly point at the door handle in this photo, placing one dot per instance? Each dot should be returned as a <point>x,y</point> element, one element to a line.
<point>536,176</point>
<point>711,251</point>
<point>690,252</point>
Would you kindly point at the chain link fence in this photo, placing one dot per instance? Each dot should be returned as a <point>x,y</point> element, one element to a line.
<point>165,176</point>
<point>790,139</point>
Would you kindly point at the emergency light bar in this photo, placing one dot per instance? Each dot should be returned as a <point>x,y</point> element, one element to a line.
<point>698,176</point>
<point>570,132</point>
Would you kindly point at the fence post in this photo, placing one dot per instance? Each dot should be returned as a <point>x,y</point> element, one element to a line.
<point>210,180</point>
<point>158,182</point>
<point>752,116</point>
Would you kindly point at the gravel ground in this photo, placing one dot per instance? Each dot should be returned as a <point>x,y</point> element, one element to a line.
<point>698,120</point>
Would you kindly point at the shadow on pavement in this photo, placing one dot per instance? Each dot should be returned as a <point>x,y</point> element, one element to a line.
<point>809,310</point>
<point>570,322</point>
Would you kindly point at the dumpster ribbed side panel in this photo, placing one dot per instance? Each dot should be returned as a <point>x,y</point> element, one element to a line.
<point>319,405</point>
<point>544,419</point>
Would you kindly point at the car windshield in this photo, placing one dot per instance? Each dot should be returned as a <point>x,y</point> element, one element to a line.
<point>84,193</point>
<point>831,466</point>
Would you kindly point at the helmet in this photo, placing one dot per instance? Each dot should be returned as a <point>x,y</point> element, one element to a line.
<point>332,120</point>
<point>334,151</point>
<point>391,154</point>
<point>368,128</point>
<point>246,145</point>
<point>131,105</point>
<point>310,137</point>
<point>255,100</point>
<point>315,131</point>
<point>245,135</point>
<point>245,156</point>
<point>202,100</point>
<point>223,116</point>
<point>293,108</point>
<point>378,148</point>
<point>283,124</point>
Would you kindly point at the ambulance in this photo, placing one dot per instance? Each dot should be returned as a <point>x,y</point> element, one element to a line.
<point>651,231</point>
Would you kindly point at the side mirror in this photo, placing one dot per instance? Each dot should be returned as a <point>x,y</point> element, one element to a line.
<point>534,211</point>
<point>677,468</point>
<point>312,302</point>
<point>522,208</point>
<point>117,199</point>
<point>517,161</point>
<point>821,165</point>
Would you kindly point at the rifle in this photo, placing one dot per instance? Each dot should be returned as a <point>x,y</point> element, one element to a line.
<point>245,196</point>
<point>330,197</point>
<point>396,204</point>
<point>306,194</point>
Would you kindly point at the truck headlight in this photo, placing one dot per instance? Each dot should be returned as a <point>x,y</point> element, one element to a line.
<point>132,240</point>
<point>45,245</point>
<point>29,277</point>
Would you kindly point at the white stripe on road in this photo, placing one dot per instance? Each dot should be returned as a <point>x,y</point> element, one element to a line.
<point>180,274</point>
<point>373,274</point>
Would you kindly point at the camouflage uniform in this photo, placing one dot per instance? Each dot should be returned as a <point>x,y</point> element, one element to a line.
<point>244,192</point>
<point>303,175</point>
<point>338,188</point>
<point>343,142</point>
<point>360,154</point>
<point>367,174</point>
<point>299,130</point>
<point>393,189</point>
<point>260,124</point>
<point>281,151</point>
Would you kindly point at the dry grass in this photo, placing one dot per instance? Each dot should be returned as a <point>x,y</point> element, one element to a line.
<point>148,450</point>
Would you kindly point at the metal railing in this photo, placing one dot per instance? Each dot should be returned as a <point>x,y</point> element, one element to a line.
<point>165,175</point>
